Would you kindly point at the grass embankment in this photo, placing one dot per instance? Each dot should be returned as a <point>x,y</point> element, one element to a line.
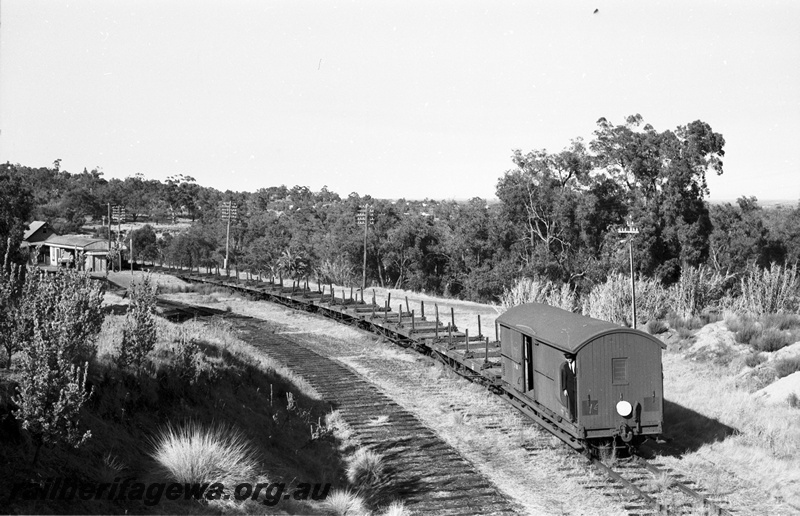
<point>249,420</point>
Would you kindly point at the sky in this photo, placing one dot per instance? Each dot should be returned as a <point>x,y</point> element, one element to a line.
<point>414,99</point>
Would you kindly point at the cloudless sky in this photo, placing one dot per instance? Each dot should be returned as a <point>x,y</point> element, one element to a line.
<point>393,99</point>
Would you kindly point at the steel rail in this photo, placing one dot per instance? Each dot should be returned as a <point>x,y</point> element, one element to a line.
<point>708,504</point>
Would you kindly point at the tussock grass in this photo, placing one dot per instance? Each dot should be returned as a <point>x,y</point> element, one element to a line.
<point>340,428</point>
<point>458,418</point>
<point>661,482</point>
<point>345,503</point>
<point>396,508</point>
<point>111,467</point>
<point>655,327</point>
<point>364,467</point>
<point>193,453</point>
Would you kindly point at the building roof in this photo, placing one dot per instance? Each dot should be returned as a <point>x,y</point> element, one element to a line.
<point>82,242</point>
<point>566,331</point>
<point>33,227</point>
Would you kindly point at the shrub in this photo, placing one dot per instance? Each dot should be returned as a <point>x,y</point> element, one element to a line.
<point>194,454</point>
<point>611,301</point>
<point>11,286</point>
<point>782,321</point>
<point>337,271</point>
<point>655,327</point>
<point>771,340</point>
<point>364,467</point>
<point>139,333</point>
<point>754,359</point>
<point>787,366</point>
<point>58,330</point>
<point>528,290</point>
<point>52,391</point>
<point>696,290</point>
<point>793,400</point>
<point>745,329</point>
<point>684,333</point>
<point>677,322</point>
<point>770,290</point>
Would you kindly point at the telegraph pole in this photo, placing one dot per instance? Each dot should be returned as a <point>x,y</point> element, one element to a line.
<point>630,230</point>
<point>364,217</point>
<point>119,213</point>
<point>228,212</point>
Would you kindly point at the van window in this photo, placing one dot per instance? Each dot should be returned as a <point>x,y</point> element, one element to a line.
<point>619,371</point>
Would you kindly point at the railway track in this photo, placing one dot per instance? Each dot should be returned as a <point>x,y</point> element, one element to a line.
<point>426,473</point>
<point>654,487</point>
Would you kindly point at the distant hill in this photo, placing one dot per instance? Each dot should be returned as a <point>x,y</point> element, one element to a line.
<point>764,203</point>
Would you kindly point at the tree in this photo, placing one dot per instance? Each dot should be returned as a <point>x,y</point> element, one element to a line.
<point>145,245</point>
<point>139,333</point>
<point>663,179</point>
<point>740,239</point>
<point>15,208</point>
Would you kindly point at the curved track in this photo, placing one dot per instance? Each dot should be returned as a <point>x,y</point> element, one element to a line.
<point>471,357</point>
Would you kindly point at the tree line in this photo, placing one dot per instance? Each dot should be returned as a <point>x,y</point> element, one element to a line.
<point>556,219</point>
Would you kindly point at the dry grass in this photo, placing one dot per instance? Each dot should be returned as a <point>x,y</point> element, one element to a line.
<point>193,453</point>
<point>764,449</point>
<point>528,290</point>
<point>396,508</point>
<point>364,467</point>
<point>769,291</point>
<point>345,503</point>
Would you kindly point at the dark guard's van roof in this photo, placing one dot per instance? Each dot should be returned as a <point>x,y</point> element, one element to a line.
<point>561,329</point>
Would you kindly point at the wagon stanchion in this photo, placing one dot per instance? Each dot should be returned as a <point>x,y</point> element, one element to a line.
<point>413,326</point>
<point>452,317</point>
<point>449,335</point>
<point>466,341</point>
<point>480,335</point>
<point>407,307</point>
<point>486,357</point>
<point>422,309</point>
<point>400,315</point>
<point>436,306</point>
